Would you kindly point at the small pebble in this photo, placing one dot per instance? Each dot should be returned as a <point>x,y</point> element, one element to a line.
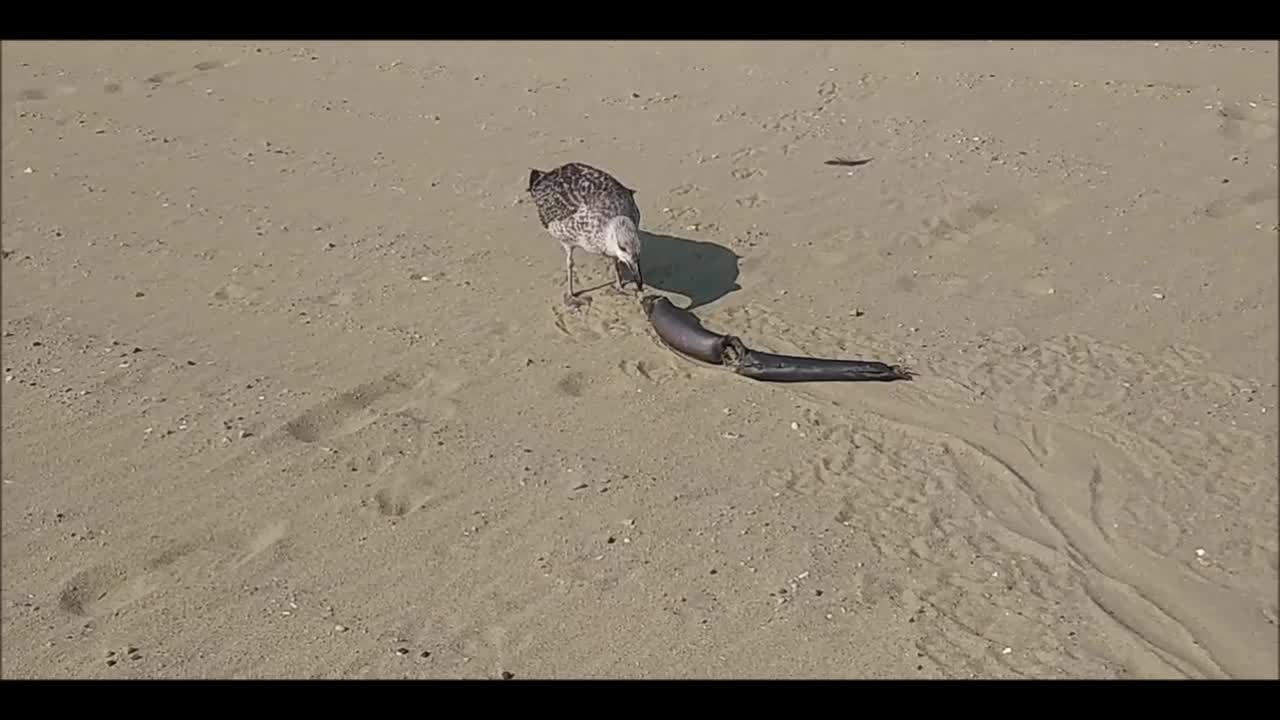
<point>28,171</point>
<point>402,651</point>
<point>340,628</point>
<point>1006,651</point>
<point>1199,552</point>
<point>507,675</point>
<point>1158,296</point>
<point>795,426</point>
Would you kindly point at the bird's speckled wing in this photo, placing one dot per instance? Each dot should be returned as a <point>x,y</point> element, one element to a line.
<point>561,193</point>
<point>555,203</point>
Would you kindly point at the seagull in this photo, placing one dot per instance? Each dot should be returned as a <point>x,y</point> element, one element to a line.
<point>586,207</point>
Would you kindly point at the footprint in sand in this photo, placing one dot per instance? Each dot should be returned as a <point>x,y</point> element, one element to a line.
<point>89,591</point>
<point>1231,206</point>
<point>176,77</point>
<point>337,298</point>
<point>573,384</point>
<point>393,400</point>
<point>995,222</point>
<point>103,589</point>
<point>654,371</point>
<point>346,413</point>
<point>1242,123</point>
<point>39,94</point>
<point>402,496</point>
<point>271,541</point>
<point>594,322</point>
<point>235,292</point>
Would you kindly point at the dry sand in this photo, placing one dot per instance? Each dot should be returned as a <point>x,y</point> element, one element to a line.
<point>289,389</point>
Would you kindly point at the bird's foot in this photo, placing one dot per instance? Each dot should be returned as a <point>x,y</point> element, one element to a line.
<point>576,301</point>
<point>625,287</point>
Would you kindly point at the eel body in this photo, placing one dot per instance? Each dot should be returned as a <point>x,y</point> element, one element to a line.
<point>681,330</point>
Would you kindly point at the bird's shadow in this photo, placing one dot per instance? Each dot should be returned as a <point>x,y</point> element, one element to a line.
<point>701,271</point>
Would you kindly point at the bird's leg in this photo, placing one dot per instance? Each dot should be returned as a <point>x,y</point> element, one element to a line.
<point>617,268</point>
<point>571,299</point>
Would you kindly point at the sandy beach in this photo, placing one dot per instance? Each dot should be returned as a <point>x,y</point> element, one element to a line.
<point>290,388</point>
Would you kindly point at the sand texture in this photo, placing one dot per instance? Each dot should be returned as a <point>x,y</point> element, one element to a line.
<point>290,389</point>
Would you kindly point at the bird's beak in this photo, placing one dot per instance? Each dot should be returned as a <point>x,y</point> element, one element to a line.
<point>635,270</point>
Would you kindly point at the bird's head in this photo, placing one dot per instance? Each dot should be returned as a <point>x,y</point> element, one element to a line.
<point>622,240</point>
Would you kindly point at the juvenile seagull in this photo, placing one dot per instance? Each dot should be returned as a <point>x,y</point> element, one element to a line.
<point>585,207</point>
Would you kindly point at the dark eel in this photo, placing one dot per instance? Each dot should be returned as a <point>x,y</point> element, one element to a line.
<point>681,330</point>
